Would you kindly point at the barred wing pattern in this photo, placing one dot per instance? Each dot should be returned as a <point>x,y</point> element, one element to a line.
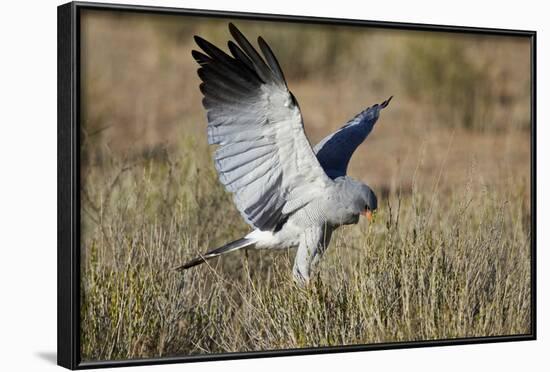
<point>264,157</point>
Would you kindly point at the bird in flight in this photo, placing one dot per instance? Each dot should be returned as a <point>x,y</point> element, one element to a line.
<point>291,194</point>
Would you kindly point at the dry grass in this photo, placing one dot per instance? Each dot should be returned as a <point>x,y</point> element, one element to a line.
<point>449,254</point>
<point>431,267</point>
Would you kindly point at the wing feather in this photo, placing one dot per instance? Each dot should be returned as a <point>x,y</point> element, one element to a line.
<point>240,55</point>
<point>263,157</point>
<point>271,60</point>
<point>335,150</point>
<point>257,62</point>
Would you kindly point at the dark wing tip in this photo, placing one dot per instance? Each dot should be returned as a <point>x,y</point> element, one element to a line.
<point>201,58</point>
<point>232,27</point>
<point>258,64</point>
<point>202,43</point>
<point>234,31</point>
<point>206,45</point>
<point>239,37</point>
<point>197,39</point>
<point>272,60</point>
<point>386,102</point>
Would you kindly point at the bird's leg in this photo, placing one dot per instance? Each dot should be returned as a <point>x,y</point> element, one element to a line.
<point>302,262</point>
<point>247,265</point>
<point>312,244</point>
<point>300,274</point>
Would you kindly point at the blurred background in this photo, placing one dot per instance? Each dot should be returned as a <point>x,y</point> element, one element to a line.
<point>460,98</point>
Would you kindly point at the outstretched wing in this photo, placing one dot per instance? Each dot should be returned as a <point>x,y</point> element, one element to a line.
<point>334,151</point>
<point>264,157</point>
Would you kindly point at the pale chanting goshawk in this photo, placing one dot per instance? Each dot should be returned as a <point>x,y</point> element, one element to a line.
<point>290,194</point>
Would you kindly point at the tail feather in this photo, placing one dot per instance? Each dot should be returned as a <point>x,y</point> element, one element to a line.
<point>230,247</point>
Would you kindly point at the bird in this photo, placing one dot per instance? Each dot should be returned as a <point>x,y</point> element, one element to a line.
<point>291,194</point>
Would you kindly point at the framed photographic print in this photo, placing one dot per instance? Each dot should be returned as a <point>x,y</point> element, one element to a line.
<point>235,185</point>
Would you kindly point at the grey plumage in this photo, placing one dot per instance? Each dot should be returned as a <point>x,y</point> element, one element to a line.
<point>291,195</point>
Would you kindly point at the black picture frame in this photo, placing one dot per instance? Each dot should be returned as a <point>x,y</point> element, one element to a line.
<point>68,215</point>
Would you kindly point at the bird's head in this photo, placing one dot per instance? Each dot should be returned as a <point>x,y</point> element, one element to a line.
<point>358,199</point>
<point>368,203</point>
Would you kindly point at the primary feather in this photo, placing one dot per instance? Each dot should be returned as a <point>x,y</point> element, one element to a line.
<point>264,157</point>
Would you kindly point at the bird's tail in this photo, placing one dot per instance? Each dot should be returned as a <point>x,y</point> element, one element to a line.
<point>230,247</point>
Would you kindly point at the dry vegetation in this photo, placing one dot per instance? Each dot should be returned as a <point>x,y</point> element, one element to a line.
<point>449,253</point>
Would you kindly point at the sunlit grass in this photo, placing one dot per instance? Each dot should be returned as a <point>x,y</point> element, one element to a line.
<point>431,267</point>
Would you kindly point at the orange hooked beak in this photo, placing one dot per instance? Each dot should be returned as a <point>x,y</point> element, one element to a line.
<point>367,213</point>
